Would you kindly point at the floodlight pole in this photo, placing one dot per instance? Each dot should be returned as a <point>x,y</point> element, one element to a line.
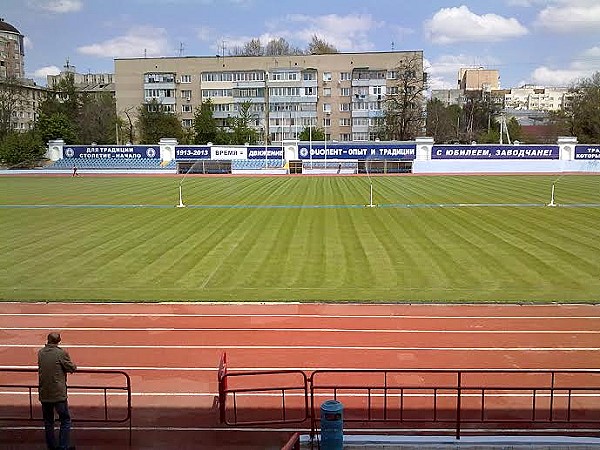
<point>181,205</point>
<point>552,197</point>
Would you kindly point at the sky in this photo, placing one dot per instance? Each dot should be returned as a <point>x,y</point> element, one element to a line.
<point>539,42</point>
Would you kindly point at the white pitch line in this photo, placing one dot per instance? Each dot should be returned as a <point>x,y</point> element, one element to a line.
<point>309,330</point>
<point>314,316</point>
<point>317,347</point>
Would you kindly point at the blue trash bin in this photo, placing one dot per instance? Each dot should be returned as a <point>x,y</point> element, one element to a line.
<point>332,425</point>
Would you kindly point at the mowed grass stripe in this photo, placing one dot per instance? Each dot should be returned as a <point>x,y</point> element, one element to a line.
<point>387,254</point>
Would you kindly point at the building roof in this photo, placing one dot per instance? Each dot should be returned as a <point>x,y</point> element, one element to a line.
<point>5,26</point>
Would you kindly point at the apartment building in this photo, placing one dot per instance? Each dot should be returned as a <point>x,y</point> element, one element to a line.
<point>537,98</point>
<point>342,93</point>
<point>478,79</point>
<point>84,82</point>
<point>12,51</point>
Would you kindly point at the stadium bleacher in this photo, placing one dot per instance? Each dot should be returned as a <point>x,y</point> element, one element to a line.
<point>112,163</point>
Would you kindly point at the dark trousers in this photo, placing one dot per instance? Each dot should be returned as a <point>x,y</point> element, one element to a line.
<point>62,408</point>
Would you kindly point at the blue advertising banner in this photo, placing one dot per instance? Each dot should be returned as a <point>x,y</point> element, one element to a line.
<point>192,152</point>
<point>270,152</point>
<point>587,152</point>
<point>115,151</point>
<point>494,152</point>
<point>405,152</point>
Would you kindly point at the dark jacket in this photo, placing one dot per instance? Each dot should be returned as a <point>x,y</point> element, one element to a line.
<point>53,365</point>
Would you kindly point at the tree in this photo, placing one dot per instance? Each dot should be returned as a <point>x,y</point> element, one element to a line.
<point>97,118</point>
<point>281,47</point>
<point>56,125</point>
<point>314,134</point>
<point>155,123</point>
<point>12,96</point>
<point>583,112</point>
<point>318,46</point>
<point>242,130</point>
<point>403,112</point>
<point>21,149</point>
<point>442,121</point>
<point>205,125</point>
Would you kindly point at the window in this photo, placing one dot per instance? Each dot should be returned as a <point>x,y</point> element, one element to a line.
<point>326,122</point>
<point>393,90</point>
<point>345,137</point>
<point>310,91</point>
<point>186,78</point>
<point>327,92</point>
<point>185,93</point>
<point>326,107</point>
<point>345,122</point>
<point>326,76</point>
<point>186,108</point>
<point>345,92</point>
<point>186,123</point>
<point>309,76</point>
<point>344,76</point>
<point>376,90</point>
<point>344,106</point>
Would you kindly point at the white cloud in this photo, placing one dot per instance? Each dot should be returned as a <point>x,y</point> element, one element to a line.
<point>582,66</point>
<point>450,25</point>
<point>139,41</point>
<point>57,6</point>
<point>346,33</point>
<point>570,16</point>
<point>45,71</point>
<point>28,43</point>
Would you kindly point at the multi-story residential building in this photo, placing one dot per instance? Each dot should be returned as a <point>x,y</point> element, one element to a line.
<point>84,82</point>
<point>478,79</point>
<point>12,51</point>
<point>19,97</point>
<point>537,98</point>
<point>342,93</point>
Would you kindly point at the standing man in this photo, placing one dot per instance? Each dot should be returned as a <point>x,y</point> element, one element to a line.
<point>53,365</point>
<point>74,170</point>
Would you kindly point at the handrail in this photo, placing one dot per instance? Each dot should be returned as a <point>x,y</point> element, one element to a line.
<point>32,388</point>
<point>456,399</point>
<point>293,443</point>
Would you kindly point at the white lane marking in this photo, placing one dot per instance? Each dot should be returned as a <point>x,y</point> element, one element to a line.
<point>309,330</point>
<point>315,347</point>
<point>324,316</point>
<point>501,370</point>
<point>359,431</point>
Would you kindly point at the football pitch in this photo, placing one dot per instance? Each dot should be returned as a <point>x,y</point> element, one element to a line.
<point>301,238</point>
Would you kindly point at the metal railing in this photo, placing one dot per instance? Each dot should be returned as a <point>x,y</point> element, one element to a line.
<point>29,413</point>
<point>459,401</point>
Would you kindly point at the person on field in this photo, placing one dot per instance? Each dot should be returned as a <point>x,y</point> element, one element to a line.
<point>53,365</point>
<point>74,170</point>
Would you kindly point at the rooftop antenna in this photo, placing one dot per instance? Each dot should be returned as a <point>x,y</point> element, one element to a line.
<point>145,54</point>
<point>392,45</point>
<point>181,47</point>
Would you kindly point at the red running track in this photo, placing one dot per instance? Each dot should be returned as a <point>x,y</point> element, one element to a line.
<point>171,352</point>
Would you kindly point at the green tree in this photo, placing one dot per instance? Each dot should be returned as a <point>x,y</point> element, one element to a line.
<point>155,123</point>
<point>97,118</point>
<point>583,112</point>
<point>21,149</point>
<point>315,134</point>
<point>442,121</point>
<point>242,130</point>
<point>56,125</point>
<point>205,126</point>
